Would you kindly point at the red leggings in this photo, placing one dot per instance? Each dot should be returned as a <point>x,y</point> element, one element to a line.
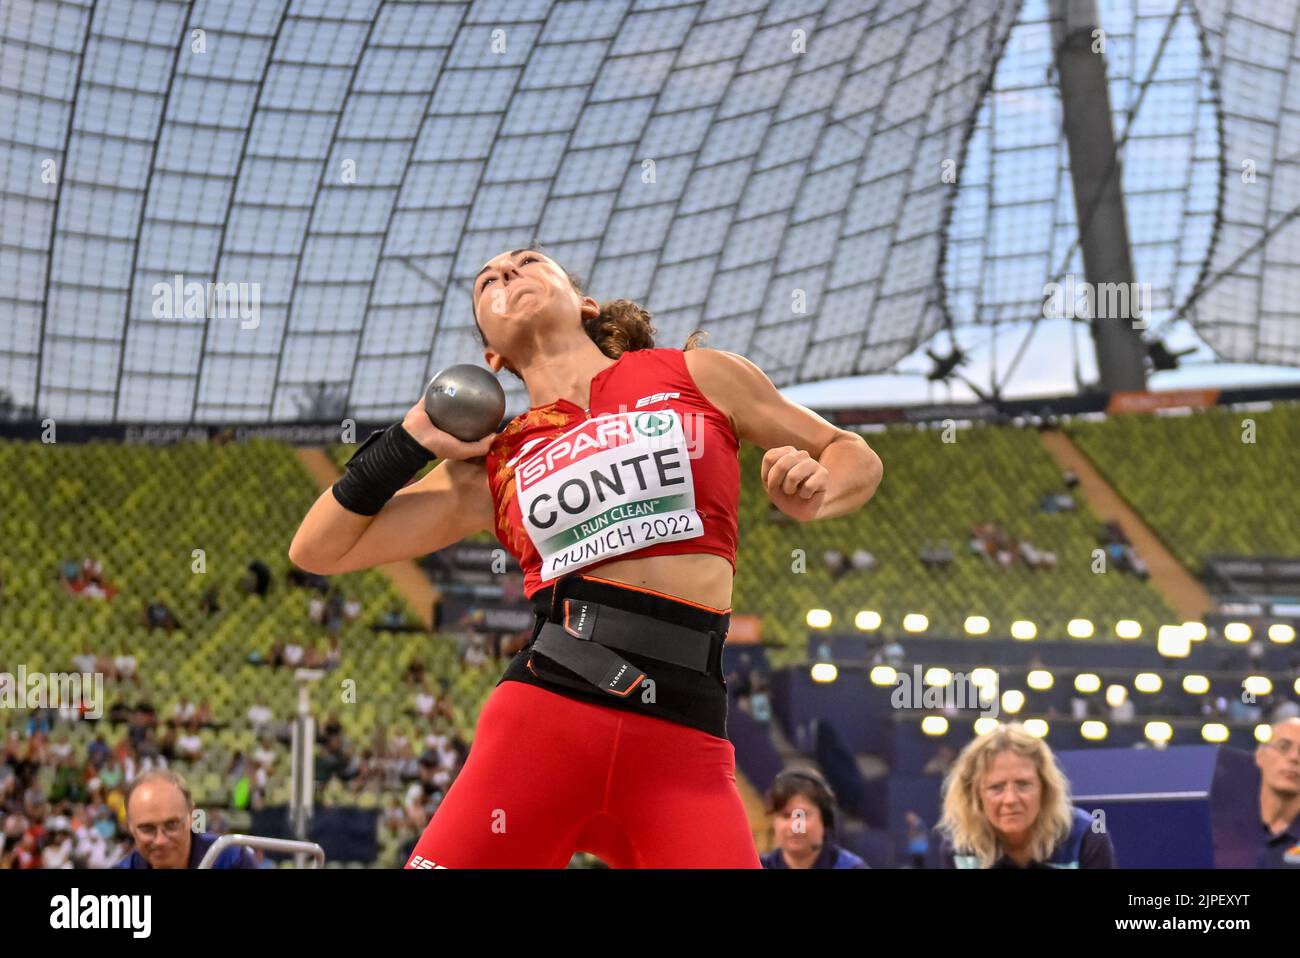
<point>549,775</point>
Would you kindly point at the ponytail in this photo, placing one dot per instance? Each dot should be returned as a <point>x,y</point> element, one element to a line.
<point>624,326</point>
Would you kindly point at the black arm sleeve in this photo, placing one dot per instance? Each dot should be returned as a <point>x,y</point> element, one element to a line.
<point>383,464</point>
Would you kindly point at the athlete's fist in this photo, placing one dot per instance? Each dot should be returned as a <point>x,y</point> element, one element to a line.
<point>795,482</point>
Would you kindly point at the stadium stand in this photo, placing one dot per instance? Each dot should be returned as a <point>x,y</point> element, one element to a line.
<point>935,493</point>
<point>152,518</point>
<point>1218,481</point>
<point>153,508</point>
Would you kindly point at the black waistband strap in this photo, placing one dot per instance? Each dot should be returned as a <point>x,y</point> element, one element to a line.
<point>583,639</point>
<point>602,667</point>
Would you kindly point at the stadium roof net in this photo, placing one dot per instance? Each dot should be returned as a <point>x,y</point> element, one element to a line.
<point>252,211</point>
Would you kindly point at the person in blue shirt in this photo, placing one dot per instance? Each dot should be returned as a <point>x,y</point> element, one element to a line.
<point>1007,805</point>
<point>803,810</point>
<point>1279,795</point>
<point>98,751</point>
<point>159,812</point>
<point>38,720</point>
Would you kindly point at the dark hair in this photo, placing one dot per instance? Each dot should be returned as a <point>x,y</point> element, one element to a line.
<point>806,782</point>
<point>621,326</point>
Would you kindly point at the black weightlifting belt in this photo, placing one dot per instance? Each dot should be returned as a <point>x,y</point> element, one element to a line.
<point>585,638</point>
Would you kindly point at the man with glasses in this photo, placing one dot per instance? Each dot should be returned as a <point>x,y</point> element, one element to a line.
<point>159,813</point>
<point>1279,795</point>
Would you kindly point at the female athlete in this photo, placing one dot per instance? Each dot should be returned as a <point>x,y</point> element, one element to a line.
<point>617,493</point>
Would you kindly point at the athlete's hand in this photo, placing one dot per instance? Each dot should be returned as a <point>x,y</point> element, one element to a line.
<point>795,482</point>
<point>442,444</point>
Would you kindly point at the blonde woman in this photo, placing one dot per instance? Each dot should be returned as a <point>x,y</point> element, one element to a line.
<point>1007,805</point>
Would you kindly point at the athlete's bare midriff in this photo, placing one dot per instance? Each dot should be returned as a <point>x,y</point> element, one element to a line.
<point>703,578</point>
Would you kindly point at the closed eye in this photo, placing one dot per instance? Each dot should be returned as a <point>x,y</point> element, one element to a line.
<point>523,262</point>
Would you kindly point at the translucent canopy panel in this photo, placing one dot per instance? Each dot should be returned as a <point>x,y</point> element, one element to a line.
<point>252,211</point>
<point>1014,227</point>
<point>1206,110</point>
<point>1249,307</point>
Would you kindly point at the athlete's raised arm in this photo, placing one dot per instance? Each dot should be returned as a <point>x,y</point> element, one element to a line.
<point>450,503</point>
<point>811,469</point>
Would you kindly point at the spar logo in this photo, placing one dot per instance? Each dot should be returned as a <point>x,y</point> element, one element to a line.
<point>646,431</point>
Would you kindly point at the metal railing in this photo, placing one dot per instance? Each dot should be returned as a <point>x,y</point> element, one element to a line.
<point>298,849</point>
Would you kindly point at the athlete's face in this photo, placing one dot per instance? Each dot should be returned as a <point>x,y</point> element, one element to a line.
<point>1279,759</point>
<point>799,827</point>
<point>520,295</point>
<point>1011,794</point>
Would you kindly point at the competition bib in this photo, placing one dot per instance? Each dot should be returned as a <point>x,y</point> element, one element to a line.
<point>611,485</point>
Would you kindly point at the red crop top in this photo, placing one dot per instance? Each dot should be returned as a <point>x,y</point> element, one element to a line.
<point>650,469</point>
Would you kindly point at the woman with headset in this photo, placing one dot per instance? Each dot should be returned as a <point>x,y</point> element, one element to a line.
<point>803,811</point>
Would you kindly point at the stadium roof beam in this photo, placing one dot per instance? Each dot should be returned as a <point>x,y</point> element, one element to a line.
<point>1098,200</point>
